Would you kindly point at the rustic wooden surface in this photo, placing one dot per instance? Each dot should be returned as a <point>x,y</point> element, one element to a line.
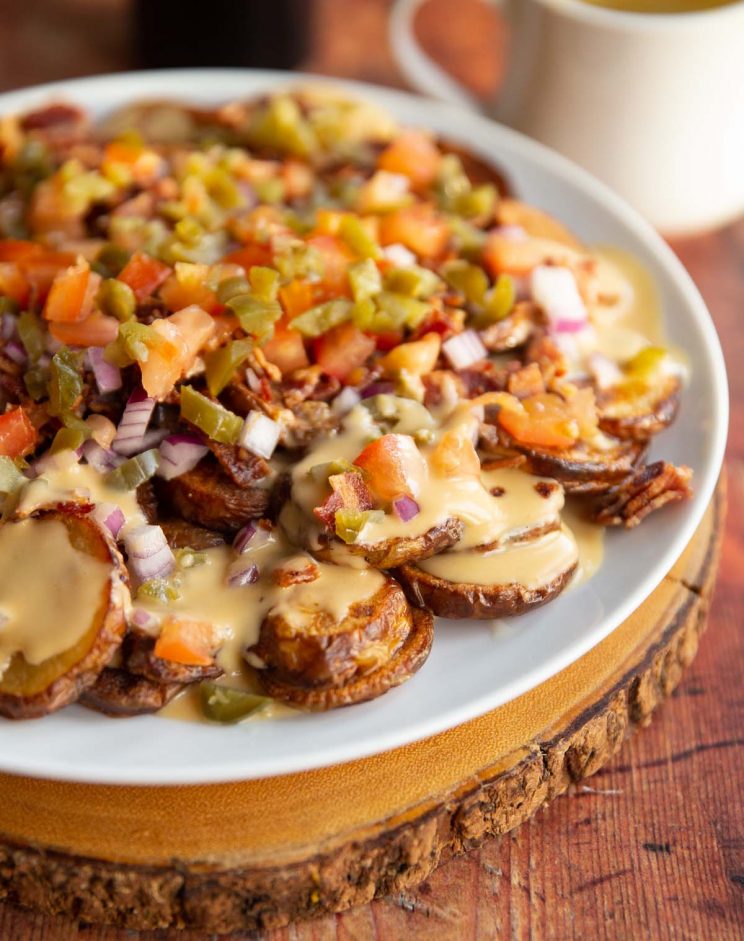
<point>653,846</point>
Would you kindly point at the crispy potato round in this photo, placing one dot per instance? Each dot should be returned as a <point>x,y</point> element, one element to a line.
<point>207,497</point>
<point>639,417</point>
<point>389,553</point>
<point>117,693</point>
<point>31,690</point>
<point>456,600</point>
<point>379,644</point>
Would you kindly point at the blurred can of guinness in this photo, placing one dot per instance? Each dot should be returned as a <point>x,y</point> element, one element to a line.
<point>248,33</point>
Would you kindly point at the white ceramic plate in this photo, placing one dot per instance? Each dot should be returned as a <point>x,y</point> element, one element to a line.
<point>472,669</point>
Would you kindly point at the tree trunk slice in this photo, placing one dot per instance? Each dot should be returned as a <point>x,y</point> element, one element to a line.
<point>258,854</point>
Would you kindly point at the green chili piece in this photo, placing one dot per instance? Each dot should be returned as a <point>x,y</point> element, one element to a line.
<point>232,287</point>
<point>117,299</point>
<point>133,344</point>
<point>500,300</point>
<point>8,306</point>
<point>111,259</point>
<point>264,282</point>
<point>477,203</point>
<point>270,191</point>
<point>163,590</point>
<point>468,279</point>
<point>353,231</point>
<point>365,279</point>
<point>280,126</point>
<point>36,381</point>
<point>187,557</point>
<point>403,311</point>
<point>226,704</point>
<point>134,471</point>
<point>299,261</point>
<point>67,439</point>
<point>321,472</point>
<point>319,319</point>
<point>31,334</point>
<point>469,239</point>
<point>451,183</point>
<point>415,281</point>
<point>256,316</point>
<point>65,382</point>
<point>221,364</point>
<point>10,477</point>
<point>364,313</point>
<point>210,417</point>
<point>350,523</point>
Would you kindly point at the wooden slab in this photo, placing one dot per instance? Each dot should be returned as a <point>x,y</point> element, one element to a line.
<point>254,855</point>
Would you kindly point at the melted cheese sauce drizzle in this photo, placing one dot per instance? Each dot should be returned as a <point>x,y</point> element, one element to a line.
<point>45,586</point>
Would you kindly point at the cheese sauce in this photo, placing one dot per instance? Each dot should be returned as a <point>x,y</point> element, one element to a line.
<point>49,590</point>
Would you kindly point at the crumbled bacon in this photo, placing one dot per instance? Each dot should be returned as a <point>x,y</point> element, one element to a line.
<point>295,571</point>
<point>349,493</point>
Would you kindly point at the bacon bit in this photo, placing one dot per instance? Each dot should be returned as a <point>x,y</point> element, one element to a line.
<point>526,381</point>
<point>296,571</point>
<point>349,493</point>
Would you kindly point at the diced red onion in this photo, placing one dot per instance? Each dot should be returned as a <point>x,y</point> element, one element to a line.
<point>99,458</point>
<point>15,351</point>
<point>8,326</point>
<point>149,553</point>
<point>253,535</point>
<point>345,401</point>
<point>381,387</point>
<point>178,454</point>
<point>145,621</point>
<point>242,573</point>
<point>405,508</point>
<point>110,516</point>
<point>254,383</point>
<point>606,372</point>
<point>398,255</point>
<point>107,376</point>
<point>554,289</point>
<point>514,233</point>
<point>464,349</point>
<point>133,425</point>
<point>260,434</point>
<point>153,437</point>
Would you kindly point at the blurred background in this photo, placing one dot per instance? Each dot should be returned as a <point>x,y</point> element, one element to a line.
<point>44,40</point>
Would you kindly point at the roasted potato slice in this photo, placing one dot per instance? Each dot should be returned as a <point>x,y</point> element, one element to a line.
<point>649,489</point>
<point>379,644</point>
<point>389,553</point>
<point>449,599</point>
<point>30,690</point>
<point>207,497</point>
<point>118,693</point>
<point>639,416</point>
<point>138,657</point>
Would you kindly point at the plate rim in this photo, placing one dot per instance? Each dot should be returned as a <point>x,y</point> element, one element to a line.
<point>204,85</point>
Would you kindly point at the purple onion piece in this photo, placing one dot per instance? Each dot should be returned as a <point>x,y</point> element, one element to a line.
<point>242,574</point>
<point>381,387</point>
<point>133,425</point>
<point>244,536</point>
<point>405,508</point>
<point>107,376</point>
<point>178,454</point>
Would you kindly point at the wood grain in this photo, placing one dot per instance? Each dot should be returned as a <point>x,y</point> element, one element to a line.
<point>652,846</point>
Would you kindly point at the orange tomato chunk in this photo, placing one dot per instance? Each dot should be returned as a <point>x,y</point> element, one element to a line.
<point>17,434</point>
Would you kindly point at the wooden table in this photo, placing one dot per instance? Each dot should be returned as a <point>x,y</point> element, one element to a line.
<point>653,846</point>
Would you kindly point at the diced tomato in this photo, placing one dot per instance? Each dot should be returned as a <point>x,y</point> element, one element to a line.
<point>286,349</point>
<point>387,340</point>
<point>96,330</point>
<point>296,297</point>
<point>455,456</point>
<point>144,164</point>
<point>337,257</point>
<point>69,299</point>
<point>298,179</point>
<point>342,349</point>
<point>17,434</point>
<point>13,283</point>
<point>255,253</point>
<point>393,466</point>
<point>144,274</point>
<point>415,155</point>
<point>42,269</point>
<point>418,357</point>
<point>187,286</point>
<point>543,420</point>
<point>328,221</point>
<point>192,643</point>
<point>418,228</point>
<point>184,334</point>
<point>18,250</point>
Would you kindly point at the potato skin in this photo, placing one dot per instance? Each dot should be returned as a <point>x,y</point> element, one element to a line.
<point>393,552</point>
<point>118,694</point>
<point>104,636</point>
<point>207,497</point>
<point>480,602</point>
<point>406,661</point>
<point>639,420</point>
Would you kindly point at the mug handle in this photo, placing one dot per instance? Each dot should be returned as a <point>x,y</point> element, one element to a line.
<point>421,71</point>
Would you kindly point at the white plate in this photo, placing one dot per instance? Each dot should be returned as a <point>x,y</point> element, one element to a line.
<point>471,668</point>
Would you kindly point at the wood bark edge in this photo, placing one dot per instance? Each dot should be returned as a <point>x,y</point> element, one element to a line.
<point>250,899</point>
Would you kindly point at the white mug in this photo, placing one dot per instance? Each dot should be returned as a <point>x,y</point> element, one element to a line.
<point>653,104</point>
